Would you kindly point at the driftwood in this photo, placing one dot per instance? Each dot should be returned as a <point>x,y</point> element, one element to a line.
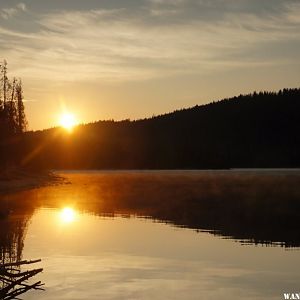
<point>14,281</point>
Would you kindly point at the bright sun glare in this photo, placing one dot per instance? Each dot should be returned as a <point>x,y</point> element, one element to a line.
<point>67,215</point>
<point>67,121</point>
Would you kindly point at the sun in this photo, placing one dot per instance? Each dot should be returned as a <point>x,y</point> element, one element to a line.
<point>67,121</point>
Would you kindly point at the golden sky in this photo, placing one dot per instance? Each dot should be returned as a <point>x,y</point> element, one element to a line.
<point>135,58</point>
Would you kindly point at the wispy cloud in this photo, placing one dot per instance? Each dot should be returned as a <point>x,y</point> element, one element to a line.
<point>293,13</point>
<point>7,13</point>
<point>110,44</point>
<point>168,2</point>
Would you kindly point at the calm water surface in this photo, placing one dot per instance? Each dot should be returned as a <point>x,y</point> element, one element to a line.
<point>152,235</point>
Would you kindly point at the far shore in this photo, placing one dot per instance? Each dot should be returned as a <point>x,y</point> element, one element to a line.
<point>16,179</point>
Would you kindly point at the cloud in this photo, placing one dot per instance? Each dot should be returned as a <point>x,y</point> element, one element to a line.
<point>293,14</point>
<point>7,13</point>
<point>168,2</point>
<point>112,44</point>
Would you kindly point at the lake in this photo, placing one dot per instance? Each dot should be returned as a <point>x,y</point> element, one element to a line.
<point>157,235</point>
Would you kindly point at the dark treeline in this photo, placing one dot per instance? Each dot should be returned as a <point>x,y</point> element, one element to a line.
<point>258,130</point>
<point>12,116</point>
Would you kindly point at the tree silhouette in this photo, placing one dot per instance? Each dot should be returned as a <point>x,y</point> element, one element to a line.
<point>21,117</point>
<point>12,115</point>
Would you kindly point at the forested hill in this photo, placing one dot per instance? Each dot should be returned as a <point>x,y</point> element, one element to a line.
<point>259,130</point>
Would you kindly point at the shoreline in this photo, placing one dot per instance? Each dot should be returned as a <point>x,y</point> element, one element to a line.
<point>18,179</point>
<point>14,180</point>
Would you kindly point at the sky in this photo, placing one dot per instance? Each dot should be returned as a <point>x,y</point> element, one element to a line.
<point>120,59</point>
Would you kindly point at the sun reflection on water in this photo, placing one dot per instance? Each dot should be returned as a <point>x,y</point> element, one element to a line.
<point>68,215</point>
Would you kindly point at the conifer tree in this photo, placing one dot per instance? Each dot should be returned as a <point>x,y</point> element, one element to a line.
<point>12,111</point>
<point>21,117</point>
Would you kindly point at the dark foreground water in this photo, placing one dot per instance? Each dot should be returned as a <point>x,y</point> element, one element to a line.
<point>157,235</point>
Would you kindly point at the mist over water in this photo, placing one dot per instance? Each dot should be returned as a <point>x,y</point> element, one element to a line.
<point>159,234</point>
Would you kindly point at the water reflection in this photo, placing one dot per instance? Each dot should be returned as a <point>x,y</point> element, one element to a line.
<point>102,237</point>
<point>68,215</point>
<point>14,281</point>
<point>113,258</point>
<point>252,207</point>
